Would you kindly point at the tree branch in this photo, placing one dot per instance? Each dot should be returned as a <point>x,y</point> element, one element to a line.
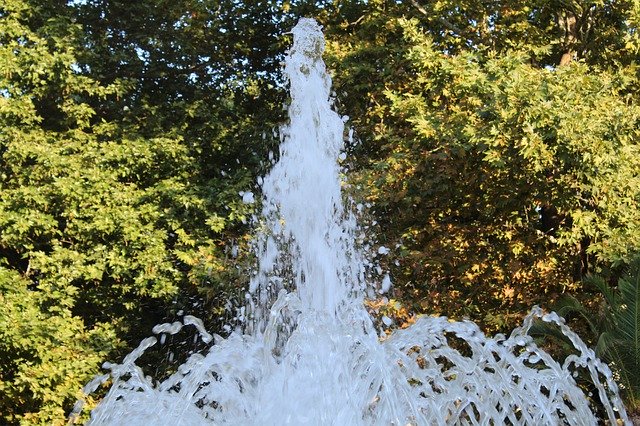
<point>457,32</point>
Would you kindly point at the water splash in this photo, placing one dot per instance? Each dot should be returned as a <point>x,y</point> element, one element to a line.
<point>310,353</point>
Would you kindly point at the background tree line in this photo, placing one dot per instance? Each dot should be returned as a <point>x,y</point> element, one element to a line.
<point>498,146</point>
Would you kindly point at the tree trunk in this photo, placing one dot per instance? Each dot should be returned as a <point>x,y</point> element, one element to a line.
<point>567,22</point>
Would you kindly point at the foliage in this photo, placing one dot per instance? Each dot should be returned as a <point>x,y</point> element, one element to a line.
<point>122,153</point>
<point>45,356</point>
<point>503,176</point>
<point>613,327</point>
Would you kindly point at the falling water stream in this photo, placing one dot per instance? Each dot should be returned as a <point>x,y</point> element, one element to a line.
<point>310,353</point>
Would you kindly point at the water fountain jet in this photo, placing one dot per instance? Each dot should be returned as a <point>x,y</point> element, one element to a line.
<point>310,353</point>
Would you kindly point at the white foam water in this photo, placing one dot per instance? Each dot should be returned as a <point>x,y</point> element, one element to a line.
<point>310,353</point>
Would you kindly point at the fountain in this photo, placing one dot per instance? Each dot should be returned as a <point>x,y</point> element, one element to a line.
<point>309,352</point>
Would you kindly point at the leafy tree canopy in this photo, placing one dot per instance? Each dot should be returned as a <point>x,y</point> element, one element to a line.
<point>128,130</point>
<point>500,144</point>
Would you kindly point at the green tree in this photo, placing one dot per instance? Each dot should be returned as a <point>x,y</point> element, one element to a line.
<point>122,152</point>
<point>46,354</point>
<point>47,350</point>
<point>503,175</point>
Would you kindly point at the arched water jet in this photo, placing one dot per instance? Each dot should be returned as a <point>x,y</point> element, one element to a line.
<point>311,355</point>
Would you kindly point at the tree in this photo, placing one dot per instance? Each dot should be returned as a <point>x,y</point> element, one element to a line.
<point>122,153</point>
<point>502,176</point>
<point>47,350</point>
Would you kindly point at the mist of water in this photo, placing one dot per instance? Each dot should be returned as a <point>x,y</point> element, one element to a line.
<point>310,353</point>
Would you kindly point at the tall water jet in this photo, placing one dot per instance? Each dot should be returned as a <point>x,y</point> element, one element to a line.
<point>310,353</point>
<point>302,203</point>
